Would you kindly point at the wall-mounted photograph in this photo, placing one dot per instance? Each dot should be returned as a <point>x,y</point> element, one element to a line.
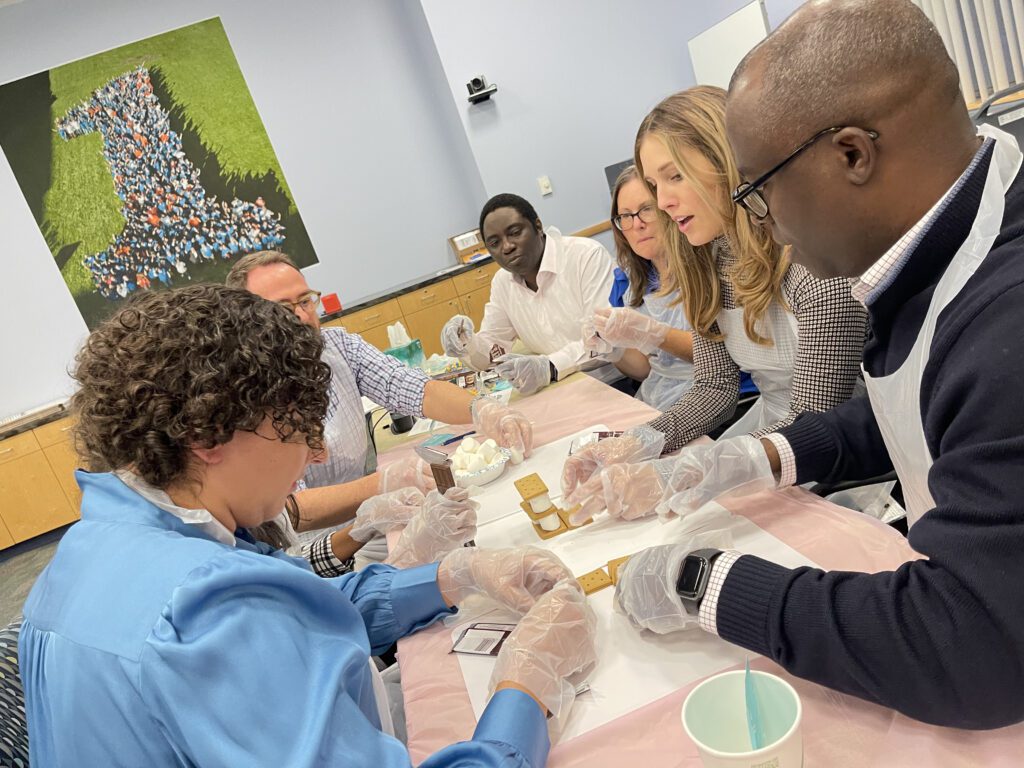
<point>147,166</point>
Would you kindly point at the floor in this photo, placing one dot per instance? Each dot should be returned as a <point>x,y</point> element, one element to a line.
<point>19,567</point>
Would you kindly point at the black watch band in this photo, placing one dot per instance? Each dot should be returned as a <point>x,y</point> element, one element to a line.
<point>694,574</point>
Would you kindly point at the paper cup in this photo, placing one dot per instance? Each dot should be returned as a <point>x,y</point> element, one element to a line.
<point>715,718</point>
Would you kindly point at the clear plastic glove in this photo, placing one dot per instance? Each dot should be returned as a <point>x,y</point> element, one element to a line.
<point>410,472</point>
<point>506,426</point>
<point>527,373</point>
<point>380,514</point>
<point>635,445</point>
<point>457,335</point>
<point>513,577</point>
<point>551,649</point>
<point>646,591</point>
<point>625,327</point>
<point>592,341</point>
<point>626,491</point>
<point>738,466</point>
<point>443,524</point>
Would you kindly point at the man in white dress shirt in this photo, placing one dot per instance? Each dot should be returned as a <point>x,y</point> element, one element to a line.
<point>547,285</point>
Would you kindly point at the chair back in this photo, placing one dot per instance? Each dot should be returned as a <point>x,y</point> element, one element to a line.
<point>13,726</point>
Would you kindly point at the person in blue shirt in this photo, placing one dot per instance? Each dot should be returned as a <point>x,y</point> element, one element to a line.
<point>651,333</point>
<point>161,633</point>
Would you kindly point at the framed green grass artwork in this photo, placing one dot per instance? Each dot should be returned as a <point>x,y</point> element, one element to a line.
<point>148,167</point>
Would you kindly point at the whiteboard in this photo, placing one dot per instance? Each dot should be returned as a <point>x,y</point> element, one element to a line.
<point>716,52</point>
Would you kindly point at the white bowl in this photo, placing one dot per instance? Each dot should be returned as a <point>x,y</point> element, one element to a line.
<point>488,474</point>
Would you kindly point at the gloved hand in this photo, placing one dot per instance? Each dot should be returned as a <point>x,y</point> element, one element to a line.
<point>527,373</point>
<point>626,491</point>
<point>551,648</point>
<point>625,327</point>
<point>646,589</point>
<point>635,445</point>
<point>410,472</point>
<point>457,335</point>
<point>443,524</point>
<point>379,514</point>
<point>513,577</point>
<point>506,426</point>
<point>738,465</point>
<point>592,341</point>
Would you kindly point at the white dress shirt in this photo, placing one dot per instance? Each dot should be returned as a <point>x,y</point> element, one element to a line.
<point>575,278</point>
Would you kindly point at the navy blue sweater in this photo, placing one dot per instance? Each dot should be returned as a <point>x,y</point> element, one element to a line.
<point>942,639</point>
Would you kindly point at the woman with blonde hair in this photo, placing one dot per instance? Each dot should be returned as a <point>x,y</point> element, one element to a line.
<point>800,338</point>
<point>660,354</point>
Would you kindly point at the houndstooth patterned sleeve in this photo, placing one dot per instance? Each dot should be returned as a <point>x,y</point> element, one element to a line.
<point>832,329</point>
<point>709,402</point>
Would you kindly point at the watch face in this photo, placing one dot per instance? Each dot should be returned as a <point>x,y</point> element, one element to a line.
<point>691,576</point>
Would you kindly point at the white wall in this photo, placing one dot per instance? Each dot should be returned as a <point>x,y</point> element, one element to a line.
<point>575,78</point>
<point>355,104</point>
<point>779,10</point>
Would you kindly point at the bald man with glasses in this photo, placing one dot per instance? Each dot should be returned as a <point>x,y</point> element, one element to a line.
<point>850,127</point>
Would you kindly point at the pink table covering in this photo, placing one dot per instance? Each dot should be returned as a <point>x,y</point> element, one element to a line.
<point>838,730</point>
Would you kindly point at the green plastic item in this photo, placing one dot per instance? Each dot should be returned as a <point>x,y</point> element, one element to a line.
<point>411,354</point>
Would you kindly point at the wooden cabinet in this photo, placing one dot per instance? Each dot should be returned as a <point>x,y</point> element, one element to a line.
<point>426,324</point>
<point>423,311</point>
<point>63,462</point>
<point>6,540</point>
<point>31,499</point>
<point>420,299</point>
<point>37,485</point>
<point>473,304</point>
<point>475,279</point>
<point>384,313</point>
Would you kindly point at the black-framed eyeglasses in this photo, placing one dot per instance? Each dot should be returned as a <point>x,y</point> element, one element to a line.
<point>624,221</point>
<point>306,302</point>
<point>748,194</point>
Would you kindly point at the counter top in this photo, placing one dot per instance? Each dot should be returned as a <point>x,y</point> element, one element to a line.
<point>32,420</point>
<point>411,285</point>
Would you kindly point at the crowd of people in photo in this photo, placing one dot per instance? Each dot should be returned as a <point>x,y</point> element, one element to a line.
<point>170,221</point>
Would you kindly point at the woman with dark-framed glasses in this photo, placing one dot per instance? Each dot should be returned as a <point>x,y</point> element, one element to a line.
<point>800,338</point>
<point>651,328</point>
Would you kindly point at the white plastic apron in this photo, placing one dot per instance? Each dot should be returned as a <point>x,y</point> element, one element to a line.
<point>896,398</point>
<point>771,367</point>
<point>380,695</point>
<point>670,376</point>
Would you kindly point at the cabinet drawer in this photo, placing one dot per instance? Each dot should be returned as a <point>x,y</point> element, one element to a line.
<point>426,324</point>
<point>422,298</point>
<point>31,500</point>
<point>379,314</point>
<point>15,447</point>
<point>54,432</point>
<point>475,279</point>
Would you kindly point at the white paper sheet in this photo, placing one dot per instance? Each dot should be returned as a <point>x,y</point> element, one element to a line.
<point>635,668</point>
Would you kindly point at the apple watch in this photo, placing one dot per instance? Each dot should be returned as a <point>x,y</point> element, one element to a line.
<point>693,578</point>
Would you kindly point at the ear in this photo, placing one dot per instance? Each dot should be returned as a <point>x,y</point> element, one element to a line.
<point>214,455</point>
<point>858,153</point>
<point>538,226</point>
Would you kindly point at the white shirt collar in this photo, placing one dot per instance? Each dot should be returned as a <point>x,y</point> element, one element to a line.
<point>879,272</point>
<point>200,518</point>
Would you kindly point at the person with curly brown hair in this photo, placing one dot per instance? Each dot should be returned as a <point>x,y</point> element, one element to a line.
<point>160,627</point>
<point>330,493</point>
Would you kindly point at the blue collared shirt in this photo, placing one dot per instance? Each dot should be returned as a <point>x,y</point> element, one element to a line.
<point>147,642</point>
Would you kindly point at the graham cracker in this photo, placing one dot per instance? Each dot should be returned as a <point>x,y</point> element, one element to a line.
<point>531,486</point>
<point>614,566</point>
<point>594,581</point>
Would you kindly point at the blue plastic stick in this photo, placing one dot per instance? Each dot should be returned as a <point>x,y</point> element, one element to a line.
<point>753,711</point>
